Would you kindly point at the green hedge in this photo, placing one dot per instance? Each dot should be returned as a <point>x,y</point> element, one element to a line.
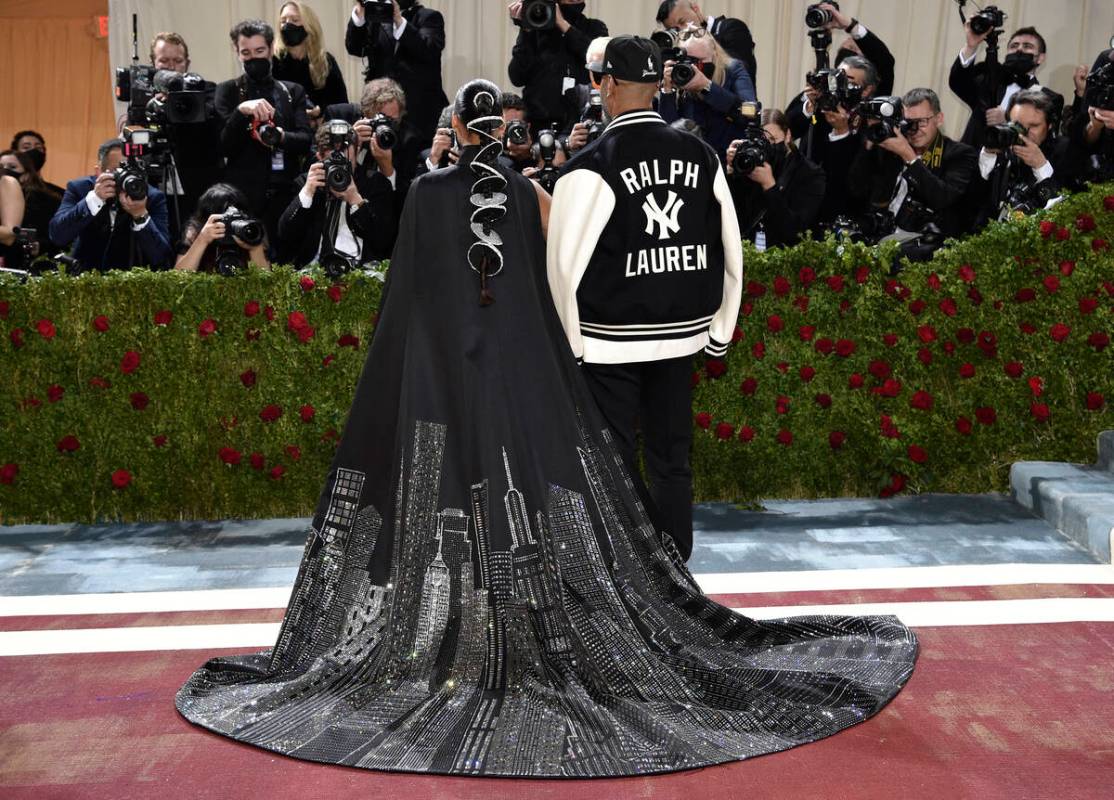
<point>230,406</point>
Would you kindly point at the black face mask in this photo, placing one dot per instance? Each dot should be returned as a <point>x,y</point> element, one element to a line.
<point>572,11</point>
<point>38,158</point>
<point>258,70</point>
<point>405,5</point>
<point>779,154</point>
<point>1019,64</point>
<point>293,35</point>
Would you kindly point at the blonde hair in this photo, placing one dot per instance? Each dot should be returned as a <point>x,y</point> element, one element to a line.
<point>719,55</point>
<point>315,42</point>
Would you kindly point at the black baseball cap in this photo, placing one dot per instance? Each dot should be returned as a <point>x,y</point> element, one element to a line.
<point>633,59</point>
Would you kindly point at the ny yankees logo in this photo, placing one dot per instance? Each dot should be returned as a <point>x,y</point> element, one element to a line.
<point>665,217</point>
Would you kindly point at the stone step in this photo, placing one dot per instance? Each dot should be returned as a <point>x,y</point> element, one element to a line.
<point>1076,500</point>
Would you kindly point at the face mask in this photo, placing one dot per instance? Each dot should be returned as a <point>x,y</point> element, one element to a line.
<point>778,155</point>
<point>405,5</point>
<point>258,70</point>
<point>293,35</point>
<point>1019,64</point>
<point>572,11</point>
<point>38,158</point>
<point>11,172</point>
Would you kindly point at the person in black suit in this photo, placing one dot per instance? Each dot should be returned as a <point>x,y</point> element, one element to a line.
<point>338,229</point>
<point>252,107</point>
<point>731,34</point>
<point>549,65</point>
<point>988,87</point>
<point>407,51</point>
<point>1092,130</point>
<point>925,167</point>
<point>780,199</point>
<point>110,231</point>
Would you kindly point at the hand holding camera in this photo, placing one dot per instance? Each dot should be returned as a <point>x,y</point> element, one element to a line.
<point>442,144</point>
<point>826,16</point>
<point>1029,153</point>
<point>257,110</point>
<point>579,136</point>
<point>105,186</point>
<point>212,230</point>
<point>133,206</point>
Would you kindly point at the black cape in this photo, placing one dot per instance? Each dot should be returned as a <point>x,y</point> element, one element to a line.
<point>482,592</point>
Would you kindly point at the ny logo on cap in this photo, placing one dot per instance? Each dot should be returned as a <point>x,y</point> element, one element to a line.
<point>665,217</point>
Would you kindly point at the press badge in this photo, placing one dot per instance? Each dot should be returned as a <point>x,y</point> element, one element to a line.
<point>277,164</point>
<point>568,84</point>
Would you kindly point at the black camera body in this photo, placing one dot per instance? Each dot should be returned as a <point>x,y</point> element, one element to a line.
<point>131,176</point>
<point>338,167</point>
<point>684,70</point>
<point>988,19</point>
<point>381,11</point>
<point>1023,198</point>
<point>593,115</point>
<point>888,112</point>
<point>517,133</point>
<point>186,100</point>
<point>755,149</point>
<point>268,133</point>
<point>135,85</point>
<point>538,15</point>
<point>384,131</point>
<point>230,256</point>
<point>546,149</point>
<point>871,228</point>
<point>836,90</point>
<point>1003,137</point>
<point>817,17</point>
<point>1100,88</point>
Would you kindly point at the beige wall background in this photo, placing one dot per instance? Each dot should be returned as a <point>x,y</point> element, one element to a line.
<point>924,35</point>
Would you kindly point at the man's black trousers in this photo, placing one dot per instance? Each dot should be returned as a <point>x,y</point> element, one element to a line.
<point>656,398</point>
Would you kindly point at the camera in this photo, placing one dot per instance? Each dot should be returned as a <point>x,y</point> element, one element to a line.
<point>755,149</point>
<point>538,15</point>
<point>836,90</point>
<point>989,19</point>
<point>871,228</point>
<point>817,17</point>
<point>593,116</point>
<point>384,131</point>
<point>546,150</point>
<point>379,11</point>
<point>517,133</point>
<point>237,225</point>
<point>1025,199</point>
<point>889,112</point>
<point>668,41</point>
<point>1100,88</point>
<point>135,85</point>
<point>267,132</point>
<point>338,169</point>
<point>1003,137</point>
<point>26,241</point>
<point>684,70</point>
<point>337,265</point>
<point>185,102</point>
<point>131,176</point>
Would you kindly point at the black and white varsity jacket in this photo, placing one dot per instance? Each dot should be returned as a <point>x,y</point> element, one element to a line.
<point>644,257</point>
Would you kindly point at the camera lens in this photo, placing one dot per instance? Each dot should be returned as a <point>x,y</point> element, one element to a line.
<point>683,73</point>
<point>816,17</point>
<point>980,24</point>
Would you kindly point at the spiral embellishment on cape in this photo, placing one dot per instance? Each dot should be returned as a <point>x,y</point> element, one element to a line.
<point>489,200</point>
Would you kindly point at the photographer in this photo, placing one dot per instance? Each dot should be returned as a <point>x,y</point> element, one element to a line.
<point>301,58</point>
<point>408,51</point>
<point>731,34</point>
<point>712,95</point>
<point>518,143</point>
<point>1092,130</point>
<point>920,175</point>
<point>336,223</point>
<point>593,115</point>
<point>11,217</point>
<point>549,63</point>
<point>266,131</point>
<point>988,87</point>
<point>40,200</point>
<point>209,244</point>
<point>108,227</point>
<point>1024,165</point>
<point>778,200</point>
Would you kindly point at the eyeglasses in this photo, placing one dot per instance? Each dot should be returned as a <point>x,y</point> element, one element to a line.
<point>915,123</point>
<point>693,33</point>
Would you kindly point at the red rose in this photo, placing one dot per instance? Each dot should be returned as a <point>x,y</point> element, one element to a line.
<point>748,309</point>
<point>348,340</point>
<point>715,368</point>
<point>880,370</point>
<point>1025,295</point>
<point>845,348</point>
<point>988,343</point>
<point>897,484</point>
<point>327,360</point>
<point>5,307</point>
<point>704,420</point>
<point>163,317</point>
<point>948,306</point>
<point>121,478</point>
<point>1067,268</point>
<point>782,286</point>
<point>775,324</point>
<point>130,362</point>
<point>1063,234</point>
<point>927,334</point>
<point>856,381</point>
<point>1109,287</point>
<point>836,439</point>
<point>889,429</point>
<point>725,431</point>
<point>251,308</point>
<point>1098,245</point>
<point>296,321</point>
<point>806,333</point>
<point>1047,228</point>
<point>964,426</point>
<point>1108,202</point>
<point>1027,328</point>
<point>46,328</point>
<point>986,415</point>
<point>1059,332</point>
<point>807,374</point>
<point>737,336</point>
<point>8,473</point>
<point>746,434</point>
<point>965,335</point>
<point>783,404</point>
<point>862,274</point>
<point>257,461</point>
<point>1095,401</point>
<point>207,328</point>
<point>824,400</point>
<point>305,334</point>
<point>1051,284</point>
<point>68,444</point>
<point>294,452</point>
<point>159,441</point>
<point>890,339</point>
<point>139,400</point>
<point>924,355</point>
<point>785,437</point>
<point>278,472</point>
<point>917,307</point>
<point>975,296</point>
<point>1015,369</point>
<point>1039,412</point>
<point>967,371</point>
<point>758,351</point>
<point>1036,386</point>
<point>917,454</point>
<point>934,282</point>
<point>807,276</point>
<point>54,393</point>
<point>1084,223</point>
<point>824,346</point>
<point>307,283</point>
<point>269,313</point>
<point>922,401</point>
<point>835,283</point>
<point>230,456</point>
<point>307,413</point>
<point>248,378</point>
<point>100,323</point>
<point>270,413</point>
<point>890,388</point>
<point>967,274</point>
<point>749,386</point>
<point>335,293</point>
<point>695,379</point>
<point>1100,341</point>
<point>1088,306</point>
<point>755,289</point>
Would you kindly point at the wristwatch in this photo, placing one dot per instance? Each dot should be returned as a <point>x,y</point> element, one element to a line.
<point>852,26</point>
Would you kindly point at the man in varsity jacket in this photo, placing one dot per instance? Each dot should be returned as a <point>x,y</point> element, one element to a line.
<point>645,267</point>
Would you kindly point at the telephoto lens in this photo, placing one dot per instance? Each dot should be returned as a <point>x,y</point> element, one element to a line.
<point>1003,137</point>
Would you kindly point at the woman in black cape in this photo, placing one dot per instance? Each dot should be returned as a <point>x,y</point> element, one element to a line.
<point>482,592</point>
